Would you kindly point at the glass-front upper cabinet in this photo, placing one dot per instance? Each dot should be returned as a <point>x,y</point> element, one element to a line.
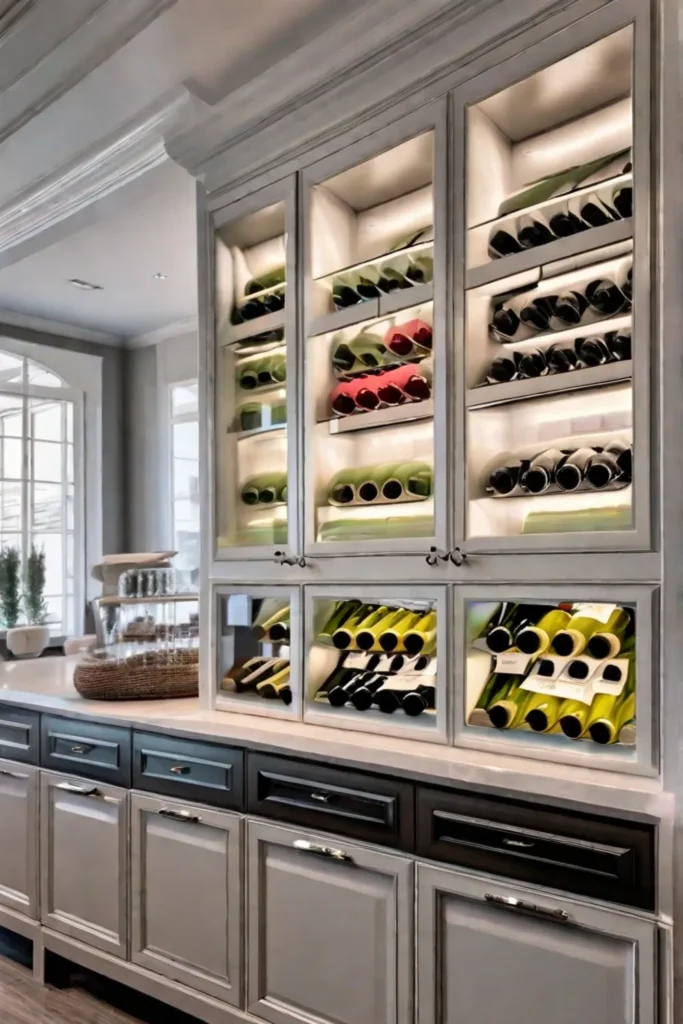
<point>374,342</point>
<point>255,364</point>
<point>556,315</point>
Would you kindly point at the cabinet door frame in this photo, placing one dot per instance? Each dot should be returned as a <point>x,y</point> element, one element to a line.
<point>403,727</point>
<point>230,989</point>
<point>433,882</point>
<point>570,39</point>
<point>26,903</point>
<point>210,220</point>
<point>645,599</point>
<point>262,833</point>
<point>432,116</point>
<point>93,936</point>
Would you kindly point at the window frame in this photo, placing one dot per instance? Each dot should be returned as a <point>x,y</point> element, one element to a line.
<point>172,420</point>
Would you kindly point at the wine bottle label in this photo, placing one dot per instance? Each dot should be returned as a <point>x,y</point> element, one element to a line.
<point>599,612</point>
<point>513,663</point>
<point>563,687</point>
<point>613,687</point>
<point>358,659</point>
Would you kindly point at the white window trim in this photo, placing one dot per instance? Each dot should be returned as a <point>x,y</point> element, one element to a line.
<point>171,420</point>
<point>82,374</point>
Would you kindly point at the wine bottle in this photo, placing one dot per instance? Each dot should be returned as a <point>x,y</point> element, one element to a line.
<point>507,325</point>
<point>541,472</point>
<point>419,699</point>
<point>504,479</point>
<point>247,375</point>
<point>232,680</point>
<point>367,284</point>
<point>622,198</point>
<point>627,284</point>
<point>265,489</point>
<point>561,358</point>
<point>262,628</point>
<point>542,712</point>
<point>607,642</point>
<point>571,473</point>
<point>372,479</point>
<point>568,310</point>
<point>344,292</point>
<point>532,364</point>
<point>503,369</point>
<point>420,269</point>
<point>343,636</point>
<point>342,611</point>
<point>537,313</point>
<point>606,717</point>
<point>507,712</point>
<point>627,721</point>
<point>573,718</point>
<point>339,674</point>
<point>342,487</point>
<point>573,638</point>
<point>264,281</point>
<point>341,399</point>
<point>564,221</point>
<point>388,698</point>
<point>391,279</point>
<point>339,695</point>
<point>364,351</point>
<point>592,351</point>
<point>409,339</point>
<point>536,638</point>
<point>508,619</point>
<point>496,687</point>
<point>273,686</point>
<point>421,634</point>
<point>610,465</point>
<point>408,381</point>
<point>272,370</point>
<point>363,393</point>
<point>619,344</point>
<point>261,673</point>
<point>279,633</point>
<point>383,618</point>
<point>502,243</point>
<point>391,638</point>
<point>605,297</point>
<point>533,230</point>
<point>410,480</point>
<point>595,212</point>
<point>363,696</point>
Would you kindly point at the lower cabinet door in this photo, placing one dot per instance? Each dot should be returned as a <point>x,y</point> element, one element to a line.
<point>19,837</point>
<point>186,888</point>
<point>489,952</point>
<point>330,930</point>
<point>84,861</point>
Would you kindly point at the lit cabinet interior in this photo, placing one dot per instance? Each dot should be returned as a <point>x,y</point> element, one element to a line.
<point>370,350</point>
<point>251,380</point>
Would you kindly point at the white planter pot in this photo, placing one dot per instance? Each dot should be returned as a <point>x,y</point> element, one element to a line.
<point>27,641</point>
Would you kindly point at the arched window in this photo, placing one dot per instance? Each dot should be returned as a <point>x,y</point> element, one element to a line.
<point>41,470</point>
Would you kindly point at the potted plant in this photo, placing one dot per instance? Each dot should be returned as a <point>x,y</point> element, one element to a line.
<point>30,640</point>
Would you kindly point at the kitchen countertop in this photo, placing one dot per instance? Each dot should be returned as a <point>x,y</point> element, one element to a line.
<point>47,685</point>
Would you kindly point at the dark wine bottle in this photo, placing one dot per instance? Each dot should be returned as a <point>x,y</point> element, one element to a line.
<point>533,230</point>
<point>388,698</point>
<point>503,369</point>
<point>541,472</point>
<point>564,221</point>
<point>595,212</point>
<point>337,676</point>
<point>592,351</point>
<point>419,699</point>
<point>502,626</point>
<point>605,297</point>
<point>561,358</point>
<point>502,243</point>
<point>619,344</point>
<point>506,324</point>
<point>504,479</point>
<point>532,364</point>
<point>363,696</point>
<point>570,474</point>
<point>538,312</point>
<point>610,465</point>
<point>568,310</point>
<point>339,695</point>
<point>627,284</point>
<point>622,198</point>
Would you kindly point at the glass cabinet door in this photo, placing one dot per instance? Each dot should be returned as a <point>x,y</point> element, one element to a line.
<point>255,365</point>
<point>374,343</point>
<point>555,330</point>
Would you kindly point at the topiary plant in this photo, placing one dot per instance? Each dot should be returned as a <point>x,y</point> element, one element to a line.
<point>34,587</point>
<point>10,585</point>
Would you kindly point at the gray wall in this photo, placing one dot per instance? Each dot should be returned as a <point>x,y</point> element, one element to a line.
<point>113,476</point>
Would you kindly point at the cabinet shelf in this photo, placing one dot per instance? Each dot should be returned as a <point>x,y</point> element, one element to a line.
<point>373,309</point>
<point>563,248</point>
<point>516,390</point>
<point>273,431</point>
<point>409,412</point>
<point>231,334</point>
<point>587,328</point>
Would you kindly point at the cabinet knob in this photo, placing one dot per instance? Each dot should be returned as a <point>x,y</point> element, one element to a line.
<point>458,557</point>
<point>511,903</point>
<point>282,558</point>
<point>435,556</point>
<point>321,851</point>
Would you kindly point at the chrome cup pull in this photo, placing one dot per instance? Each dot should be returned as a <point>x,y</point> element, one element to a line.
<point>168,812</point>
<point>321,851</point>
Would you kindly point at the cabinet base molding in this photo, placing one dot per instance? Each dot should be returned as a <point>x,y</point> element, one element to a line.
<point>212,1011</point>
<point>13,921</point>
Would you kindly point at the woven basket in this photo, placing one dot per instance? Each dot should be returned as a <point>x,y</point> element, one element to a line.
<point>152,675</point>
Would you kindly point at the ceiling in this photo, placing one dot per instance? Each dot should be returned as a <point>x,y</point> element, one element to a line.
<point>121,252</point>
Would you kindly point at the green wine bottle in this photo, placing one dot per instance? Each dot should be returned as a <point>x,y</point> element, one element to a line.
<point>342,611</point>
<point>506,712</point>
<point>364,351</point>
<point>343,636</point>
<point>410,480</point>
<point>264,281</point>
<point>273,686</point>
<point>420,636</point>
<point>272,610</point>
<point>607,642</point>
<point>391,637</point>
<point>367,638</point>
<point>606,717</point>
<point>536,639</point>
<point>542,712</point>
<point>573,638</point>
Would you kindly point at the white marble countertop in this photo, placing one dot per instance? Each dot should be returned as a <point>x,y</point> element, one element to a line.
<point>46,685</point>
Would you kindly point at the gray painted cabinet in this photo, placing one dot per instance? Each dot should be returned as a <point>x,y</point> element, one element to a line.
<point>19,837</point>
<point>489,952</point>
<point>330,930</point>
<point>186,887</point>
<point>84,861</point>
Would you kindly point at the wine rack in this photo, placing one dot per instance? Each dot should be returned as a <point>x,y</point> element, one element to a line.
<point>258,645</point>
<point>373,661</point>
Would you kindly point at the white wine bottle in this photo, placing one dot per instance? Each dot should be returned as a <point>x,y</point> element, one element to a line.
<point>508,711</point>
<point>573,638</point>
<point>421,634</point>
<point>607,642</point>
<point>536,639</point>
<point>384,618</point>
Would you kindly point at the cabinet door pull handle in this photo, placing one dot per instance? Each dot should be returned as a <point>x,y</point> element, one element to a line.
<point>168,812</point>
<point>523,844</point>
<point>510,903</point>
<point>180,769</point>
<point>323,798</point>
<point>321,851</point>
<point>70,787</point>
<point>12,775</point>
<point>80,748</point>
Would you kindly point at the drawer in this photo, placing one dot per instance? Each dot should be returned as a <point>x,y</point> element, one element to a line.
<point>579,853</point>
<point>366,807</point>
<point>193,770</point>
<point>86,748</point>
<point>19,734</point>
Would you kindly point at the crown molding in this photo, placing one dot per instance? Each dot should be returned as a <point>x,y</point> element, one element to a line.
<point>51,47</point>
<point>54,327</point>
<point>116,161</point>
<point>161,334</point>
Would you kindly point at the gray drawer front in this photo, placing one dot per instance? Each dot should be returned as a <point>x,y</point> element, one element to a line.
<point>86,748</point>
<point>19,734</point>
<point>366,807</point>
<point>188,769</point>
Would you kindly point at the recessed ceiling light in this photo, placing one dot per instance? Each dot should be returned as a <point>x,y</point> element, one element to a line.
<point>86,286</point>
<point>159,276</point>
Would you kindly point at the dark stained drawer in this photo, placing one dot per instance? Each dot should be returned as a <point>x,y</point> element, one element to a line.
<point>86,748</point>
<point>376,810</point>
<point>19,734</point>
<point>579,853</point>
<point>191,769</point>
